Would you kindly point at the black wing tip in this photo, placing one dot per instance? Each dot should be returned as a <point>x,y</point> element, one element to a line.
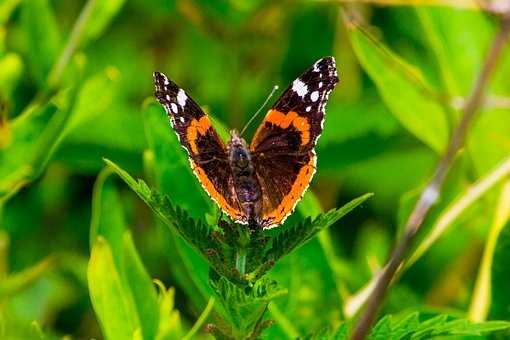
<point>160,78</point>
<point>327,65</point>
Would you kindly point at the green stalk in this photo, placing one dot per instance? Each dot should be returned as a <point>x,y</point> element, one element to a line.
<point>241,261</point>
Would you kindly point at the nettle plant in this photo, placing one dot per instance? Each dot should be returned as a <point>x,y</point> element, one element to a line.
<point>238,258</point>
<point>239,284</point>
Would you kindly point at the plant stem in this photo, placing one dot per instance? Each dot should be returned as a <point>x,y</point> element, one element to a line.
<point>201,320</point>
<point>241,261</point>
<point>431,193</point>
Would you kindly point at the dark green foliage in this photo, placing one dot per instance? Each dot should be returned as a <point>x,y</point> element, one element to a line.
<point>500,295</point>
<point>244,296</point>
<point>295,236</point>
<point>89,260</point>
<point>410,326</point>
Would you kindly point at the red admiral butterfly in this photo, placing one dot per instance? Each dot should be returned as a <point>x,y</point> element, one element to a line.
<point>259,184</point>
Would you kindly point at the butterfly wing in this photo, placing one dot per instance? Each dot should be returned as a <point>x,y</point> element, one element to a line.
<point>283,146</point>
<point>207,153</point>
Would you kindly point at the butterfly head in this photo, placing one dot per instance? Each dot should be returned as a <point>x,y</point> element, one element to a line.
<point>239,154</point>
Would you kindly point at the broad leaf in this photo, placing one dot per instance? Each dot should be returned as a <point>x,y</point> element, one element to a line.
<point>34,137</point>
<point>110,297</point>
<point>500,295</point>
<point>102,14</point>
<point>128,277</point>
<point>403,88</point>
<point>43,37</point>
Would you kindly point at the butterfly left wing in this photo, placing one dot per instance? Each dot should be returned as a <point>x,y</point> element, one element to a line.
<point>283,146</point>
<point>207,153</point>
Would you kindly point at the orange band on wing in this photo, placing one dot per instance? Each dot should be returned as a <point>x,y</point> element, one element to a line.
<point>285,120</point>
<point>197,127</point>
<point>288,203</point>
<point>215,195</point>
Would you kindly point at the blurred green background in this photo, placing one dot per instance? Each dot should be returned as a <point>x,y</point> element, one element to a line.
<point>76,86</point>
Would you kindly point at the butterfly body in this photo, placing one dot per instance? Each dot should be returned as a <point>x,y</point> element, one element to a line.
<point>258,184</point>
<point>245,182</point>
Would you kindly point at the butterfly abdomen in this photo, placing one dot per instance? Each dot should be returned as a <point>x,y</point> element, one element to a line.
<point>246,185</point>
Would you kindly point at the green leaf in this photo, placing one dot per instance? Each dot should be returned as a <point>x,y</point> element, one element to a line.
<point>500,272</point>
<point>245,306</point>
<point>35,136</point>
<point>43,37</point>
<point>136,285</point>
<point>107,216</point>
<point>403,89</point>
<point>481,300</point>
<point>111,298</point>
<point>6,9</point>
<point>11,69</point>
<point>169,320</point>
<point>17,282</point>
<point>103,13</point>
<point>297,235</point>
<point>142,289</point>
<point>195,232</point>
<point>96,96</point>
<point>459,40</point>
<point>409,326</point>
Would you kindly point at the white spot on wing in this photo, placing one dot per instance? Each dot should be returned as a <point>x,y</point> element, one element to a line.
<point>181,98</point>
<point>314,96</point>
<point>320,84</point>
<point>308,108</point>
<point>181,119</point>
<point>315,67</point>
<point>173,107</point>
<point>299,87</point>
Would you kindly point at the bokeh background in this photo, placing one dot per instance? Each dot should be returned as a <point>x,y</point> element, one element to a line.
<point>76,86</point>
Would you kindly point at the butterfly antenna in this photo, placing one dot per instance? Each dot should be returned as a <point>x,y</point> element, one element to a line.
<point>260,109</point>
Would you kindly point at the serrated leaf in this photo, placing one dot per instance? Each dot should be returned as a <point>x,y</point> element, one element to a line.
<point>403,89</point>
<point>295,236</point>
<point>409,326</point>
<point>196,232</point>
<point>245,306</point>
<point>341,333</point>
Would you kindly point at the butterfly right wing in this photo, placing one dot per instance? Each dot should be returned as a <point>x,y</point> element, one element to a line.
<point>207,153</point>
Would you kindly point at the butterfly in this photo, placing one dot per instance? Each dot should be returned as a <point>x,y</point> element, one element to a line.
<point>258,184</point>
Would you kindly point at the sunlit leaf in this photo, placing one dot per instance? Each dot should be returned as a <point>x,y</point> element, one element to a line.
<point>17,282</point>
<point>110,297</point>
<point>108,224</point>
<point>103,13</point>
<point>34,138</point>
<point>403,88</point>
<point>43,37</point>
